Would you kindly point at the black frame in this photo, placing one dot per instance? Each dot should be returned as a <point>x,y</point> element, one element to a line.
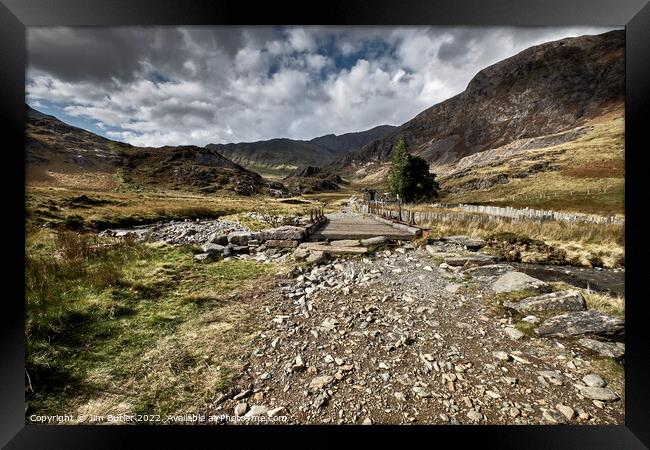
<point>15,15</point>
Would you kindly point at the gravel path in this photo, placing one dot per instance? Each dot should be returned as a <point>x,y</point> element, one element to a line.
<point>395,338</point>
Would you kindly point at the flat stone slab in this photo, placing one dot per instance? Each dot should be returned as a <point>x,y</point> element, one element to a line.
<point>282,243</point>
<point>606,349</point>
<point>335,250</point>
<point>570,300</point>
<point>582,323</point>
<point>280,233</point>
<point>471,243</point>
<point>346,243</point>
<point>517,281</point>
<point>476,260</point>
<point>377,240</point>
<point>490,270</point>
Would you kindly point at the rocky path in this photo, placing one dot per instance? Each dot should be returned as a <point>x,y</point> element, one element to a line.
<point>397,337</point>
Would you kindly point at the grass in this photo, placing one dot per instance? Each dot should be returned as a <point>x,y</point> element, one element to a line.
<point>120,327</point>
<point>584,244</point>
<point>56,207</point>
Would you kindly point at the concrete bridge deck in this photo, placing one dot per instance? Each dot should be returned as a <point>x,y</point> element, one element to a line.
<point>359,226</point>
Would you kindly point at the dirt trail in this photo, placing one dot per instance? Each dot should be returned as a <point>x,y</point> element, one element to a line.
<point>395,338</point>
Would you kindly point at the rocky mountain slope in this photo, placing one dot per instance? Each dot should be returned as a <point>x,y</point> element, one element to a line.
<point>60,154</point>
<point>282,156</point>
<point>310,179</point>
<point>546,89</point>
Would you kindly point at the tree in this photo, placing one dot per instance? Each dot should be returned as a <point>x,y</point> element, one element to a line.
<point>409,175</point>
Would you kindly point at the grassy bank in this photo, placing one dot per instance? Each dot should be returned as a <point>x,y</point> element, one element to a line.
<point>120,327</point>
<point>585,244</point>
<point>100,209</point>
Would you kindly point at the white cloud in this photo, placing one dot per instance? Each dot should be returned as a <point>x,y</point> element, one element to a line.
<point>198,85</point>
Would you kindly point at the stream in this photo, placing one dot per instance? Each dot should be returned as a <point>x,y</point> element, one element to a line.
<point>610,281</point>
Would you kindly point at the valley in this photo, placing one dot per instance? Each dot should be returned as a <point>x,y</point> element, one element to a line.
<point>204,280</point>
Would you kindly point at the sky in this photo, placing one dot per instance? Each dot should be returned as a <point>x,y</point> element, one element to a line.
<point>156,86</point>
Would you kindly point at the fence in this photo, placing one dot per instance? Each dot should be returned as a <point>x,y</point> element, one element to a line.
<point>422,214</point>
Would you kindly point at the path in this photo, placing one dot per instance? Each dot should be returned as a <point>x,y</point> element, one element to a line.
<point>349,225</point>
<point>390,338</point>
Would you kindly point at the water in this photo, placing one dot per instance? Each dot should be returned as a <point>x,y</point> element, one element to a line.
<point>610,281</point>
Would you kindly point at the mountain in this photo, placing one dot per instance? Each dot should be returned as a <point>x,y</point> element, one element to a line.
<point>60,154</point>
<point>279,157</point>
<point>310,179</point>
<point>545,89</point>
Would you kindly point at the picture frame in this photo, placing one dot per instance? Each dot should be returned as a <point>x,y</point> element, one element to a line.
<point>16,15</point>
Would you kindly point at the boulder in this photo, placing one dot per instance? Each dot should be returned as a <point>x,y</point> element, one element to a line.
<point>517,281</point>
<point>570,300</point>
<point>597,393</point>
<point>513,333</point>
<point>373,241</point>
<point>281,233</point>
<point>239,249</point>
<point>471,243</point>
<point>490,270</point>
<point>606,349</point>
<point>316,258</point>
<point>471,260</point>
<point>282,243</point>
<point>213,249</point>
<point>218,238</point>
<point>582,323</point>
<point>239,238</point>
<point>202,256</point>
<point>300,253</point>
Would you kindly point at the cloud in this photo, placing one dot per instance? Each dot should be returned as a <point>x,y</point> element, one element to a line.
<point>155,86</point>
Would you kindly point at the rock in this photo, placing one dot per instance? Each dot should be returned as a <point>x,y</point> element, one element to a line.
<point>298,364</point>
<point>453,288</point>
<point>239,238</point>
<point>314,247</point>
<point>241,409</point>
<point>346,243</point>
<point>552,377</point>
<point>367,421</point>
<point>300,253</point>
<point>582,323</point>
<point>471,260</point>
<point>316,258</point>
<point>202,256</point>
<point>242,394</point>
<point>373,241</point>
<point>218,238</point>
<point>517,281</point>
<point>490,270</point>
<point>552,417</point>
<point>213,249</point>
<point>257,410</point>
<point>513,333</point>
<point>421,392</point>
<point>502,356</point>
<point>607,349</point>
<point>569,300</point>
<point>597,393</point>
<point>238,249</point>
<point>275,411</point>
<point>320,382</point>
<point>474,415</point>
<point>566,411</point>
<point>281,233</point>
<point>532,319</point>
<point>593,380</point>
<point>282,243</point>
<point>471,243</point>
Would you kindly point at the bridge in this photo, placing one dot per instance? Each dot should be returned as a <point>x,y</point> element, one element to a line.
<point>348,225</point>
